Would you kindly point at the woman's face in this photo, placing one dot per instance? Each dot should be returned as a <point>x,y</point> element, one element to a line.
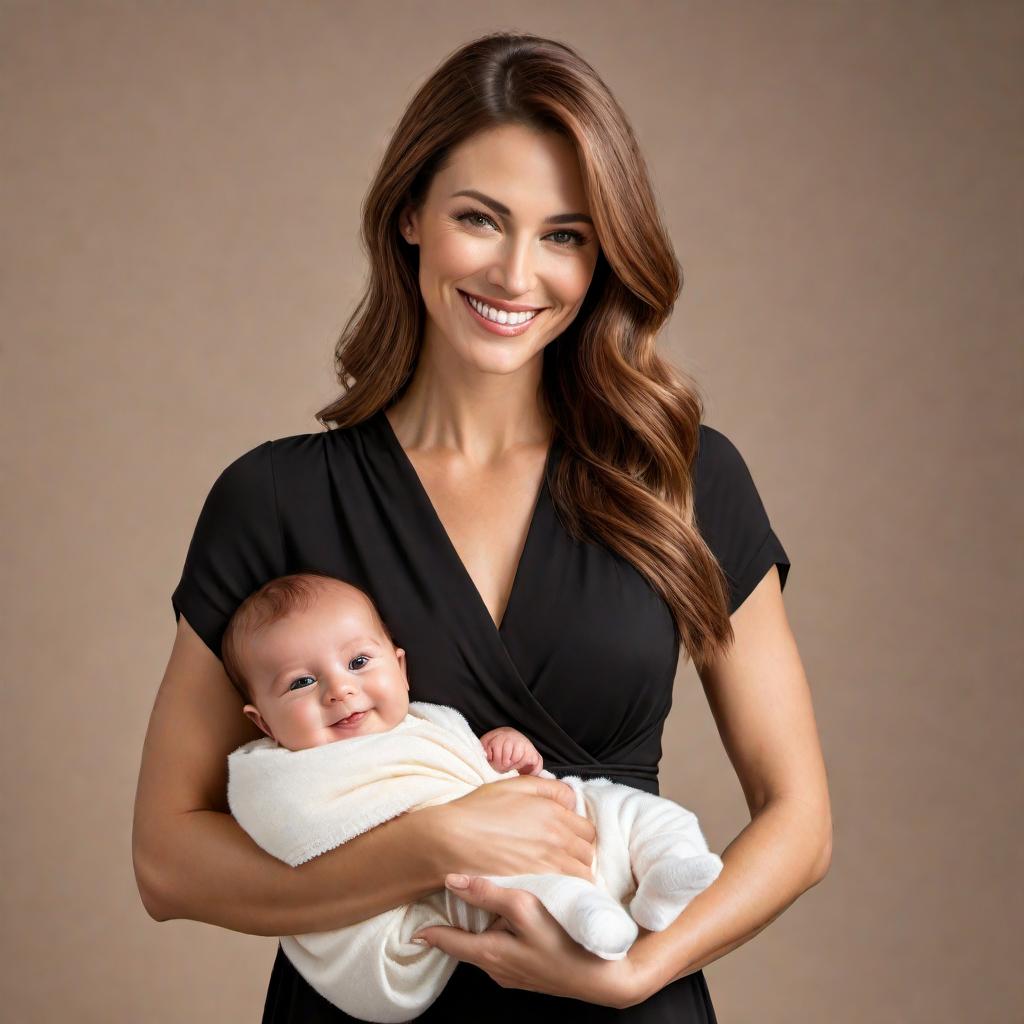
<point>523,238</point>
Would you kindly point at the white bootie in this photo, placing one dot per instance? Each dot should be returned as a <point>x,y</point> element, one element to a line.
<point>668,886</point>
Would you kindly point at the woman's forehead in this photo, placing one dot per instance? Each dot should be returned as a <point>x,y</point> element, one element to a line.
<point>537,173</point>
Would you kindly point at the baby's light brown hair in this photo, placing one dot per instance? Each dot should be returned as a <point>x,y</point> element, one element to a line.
<point>271,602</point>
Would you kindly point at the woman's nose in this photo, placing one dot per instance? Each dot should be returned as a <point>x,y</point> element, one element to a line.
<point>514,271</point>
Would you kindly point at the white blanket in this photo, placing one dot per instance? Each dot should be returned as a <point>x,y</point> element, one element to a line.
<point>299,804</point>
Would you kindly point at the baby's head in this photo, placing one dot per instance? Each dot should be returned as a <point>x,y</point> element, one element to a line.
<point>308,650</point>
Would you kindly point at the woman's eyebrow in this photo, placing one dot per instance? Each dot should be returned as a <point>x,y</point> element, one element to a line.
<point>501,208</point>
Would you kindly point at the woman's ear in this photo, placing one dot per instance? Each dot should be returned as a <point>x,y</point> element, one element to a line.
<point>408,226</point>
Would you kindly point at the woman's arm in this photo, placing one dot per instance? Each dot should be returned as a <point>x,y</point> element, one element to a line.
<point>194,861</point>
<point>762,705</point>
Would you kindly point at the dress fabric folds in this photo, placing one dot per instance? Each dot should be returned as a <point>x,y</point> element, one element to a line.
<point>582,662</point>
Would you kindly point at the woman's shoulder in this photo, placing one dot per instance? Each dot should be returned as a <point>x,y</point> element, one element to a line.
<point>299,446</point>
<point>302,453</point>
<point>316,441</point>
<point>277,465</point>
<point>250,475</point>
<point>718,460</point>
<point>731,515</point>
<point>721,478</point>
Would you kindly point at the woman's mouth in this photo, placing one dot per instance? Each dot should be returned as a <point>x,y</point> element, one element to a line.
<point>515,323</point>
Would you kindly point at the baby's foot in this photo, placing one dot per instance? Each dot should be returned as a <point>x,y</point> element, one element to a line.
<point>669,885</point>
<point>601,925</point>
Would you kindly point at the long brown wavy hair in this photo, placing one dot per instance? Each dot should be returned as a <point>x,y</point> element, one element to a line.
<point>629,420</point>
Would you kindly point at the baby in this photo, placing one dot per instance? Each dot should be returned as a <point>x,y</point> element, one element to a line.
<point>334,672</point>
<point>316,665</point>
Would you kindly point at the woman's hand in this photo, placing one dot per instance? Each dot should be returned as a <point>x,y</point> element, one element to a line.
<point>520,826</point>
<point>527,948</point>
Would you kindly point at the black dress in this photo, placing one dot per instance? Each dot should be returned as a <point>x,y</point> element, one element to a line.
<point>583,662</point>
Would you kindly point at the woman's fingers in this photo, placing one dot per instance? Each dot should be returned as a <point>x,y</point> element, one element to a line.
<point>578,849</point>
<point>512,907</point>
<point>554,789</point>
<point>579,860</point>
<point>500,828</point>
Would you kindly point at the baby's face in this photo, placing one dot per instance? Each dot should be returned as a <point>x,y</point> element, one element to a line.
<point>311,669</point>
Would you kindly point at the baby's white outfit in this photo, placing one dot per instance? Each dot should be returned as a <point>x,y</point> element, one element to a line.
<point>299,804</point>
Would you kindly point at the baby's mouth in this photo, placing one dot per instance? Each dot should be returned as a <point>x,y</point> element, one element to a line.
<point>352,719</point>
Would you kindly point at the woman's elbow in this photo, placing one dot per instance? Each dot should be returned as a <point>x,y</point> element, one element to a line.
<point>824,861</point>
<point>148,880</point>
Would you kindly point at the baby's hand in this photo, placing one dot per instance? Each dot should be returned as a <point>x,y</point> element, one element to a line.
<point>508,748</point>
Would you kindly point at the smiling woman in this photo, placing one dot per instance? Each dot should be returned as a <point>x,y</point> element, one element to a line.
<point>525,489</point>
<point>507,318</point>
<point>505,272</point>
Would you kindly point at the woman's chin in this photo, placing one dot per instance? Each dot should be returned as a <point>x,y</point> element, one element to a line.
<point>501,357</point>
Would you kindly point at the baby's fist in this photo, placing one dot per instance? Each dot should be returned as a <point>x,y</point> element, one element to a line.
<point>508,748</point>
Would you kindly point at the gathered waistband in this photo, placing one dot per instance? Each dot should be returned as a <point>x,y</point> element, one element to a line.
<point>642,775</point>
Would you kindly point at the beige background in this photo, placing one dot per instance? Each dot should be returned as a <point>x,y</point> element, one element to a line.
<point>842,183</point>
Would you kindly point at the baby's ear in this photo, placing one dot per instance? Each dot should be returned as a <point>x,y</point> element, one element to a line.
<point>254,716</point>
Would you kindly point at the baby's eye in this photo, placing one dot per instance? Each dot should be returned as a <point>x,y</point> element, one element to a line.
<point>302,679</point>
<point>358,657</point>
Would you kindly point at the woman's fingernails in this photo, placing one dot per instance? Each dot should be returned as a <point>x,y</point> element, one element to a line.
<point>420,942</point>
<point>456,881</point>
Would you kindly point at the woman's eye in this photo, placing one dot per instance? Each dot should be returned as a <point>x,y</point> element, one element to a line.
<point>298,683</point>
<point>575,238</point>
<point>359,657</point>
<point>469,215</point>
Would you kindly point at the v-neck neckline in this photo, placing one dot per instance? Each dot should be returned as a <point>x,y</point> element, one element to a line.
<point>414,478</point>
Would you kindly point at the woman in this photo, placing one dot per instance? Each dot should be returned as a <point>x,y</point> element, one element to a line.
<point>526,490</point>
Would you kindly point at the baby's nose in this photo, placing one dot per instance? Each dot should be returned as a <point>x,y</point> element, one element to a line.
<point>338,688</point>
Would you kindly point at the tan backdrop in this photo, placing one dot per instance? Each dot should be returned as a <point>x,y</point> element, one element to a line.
<point>842,183</point>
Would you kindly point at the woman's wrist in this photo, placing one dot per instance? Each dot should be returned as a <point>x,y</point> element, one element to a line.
<point>435,858</point>
<point>648,973</point>
<point>386,867</point>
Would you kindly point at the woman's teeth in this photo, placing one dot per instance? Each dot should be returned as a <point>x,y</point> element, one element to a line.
<point>500,316</point>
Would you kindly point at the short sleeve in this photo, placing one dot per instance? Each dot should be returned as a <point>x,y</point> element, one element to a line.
<point>731,517</point>
<point>235,548</point>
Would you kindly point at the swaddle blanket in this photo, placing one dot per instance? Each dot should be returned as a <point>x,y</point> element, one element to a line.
<point>299,804</point>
